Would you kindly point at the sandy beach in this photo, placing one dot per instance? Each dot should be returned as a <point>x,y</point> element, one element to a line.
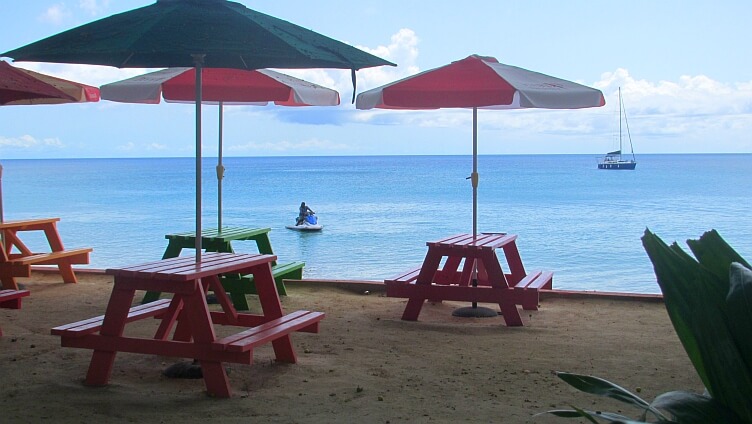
<point>366,365</point>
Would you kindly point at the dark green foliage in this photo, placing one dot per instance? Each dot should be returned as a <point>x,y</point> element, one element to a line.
<point>709,302</point>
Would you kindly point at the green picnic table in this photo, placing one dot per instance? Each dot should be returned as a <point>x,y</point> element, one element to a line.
<point>237,285</point>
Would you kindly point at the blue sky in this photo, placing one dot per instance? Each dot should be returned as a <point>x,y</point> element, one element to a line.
<point>685,70</point>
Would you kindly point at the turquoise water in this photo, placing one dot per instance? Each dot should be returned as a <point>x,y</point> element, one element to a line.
<point>582,223</point>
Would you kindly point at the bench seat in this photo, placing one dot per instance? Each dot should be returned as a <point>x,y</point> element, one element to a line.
<point>72,256</point>
<point>305,321</point>
<point>18,265</point>
<point>409,276</point>
<point>529,288</point>
<point>11,299</point>
<point>92,325</point>
<point>244,283</point>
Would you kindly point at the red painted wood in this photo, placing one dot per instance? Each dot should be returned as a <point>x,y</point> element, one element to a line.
<point>194,335</point>
<point>450,283</point>
<point>92,325</point>
<point>529,288</point>
<point>11,299</point>
<point>264,333</point>
<point>14,265</point>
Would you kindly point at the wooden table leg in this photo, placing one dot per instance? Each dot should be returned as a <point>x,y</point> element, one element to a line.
<point>100,367</point>
<point>496,277</point>
<point>197,314</point>
<point>427,271</point>
<point>516,269</point>
<point>272,308</point>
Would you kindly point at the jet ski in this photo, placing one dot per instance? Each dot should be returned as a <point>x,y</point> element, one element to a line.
<point>310,223</point>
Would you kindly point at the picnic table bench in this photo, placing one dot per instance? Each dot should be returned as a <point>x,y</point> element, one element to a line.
<point>477,254</point>
<point>11,299</point>
<point>16,258</point>
<point>237,285</point>
<point>185,326</point>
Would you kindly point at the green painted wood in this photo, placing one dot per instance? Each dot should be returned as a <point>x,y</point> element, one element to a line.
<point>214,240</point>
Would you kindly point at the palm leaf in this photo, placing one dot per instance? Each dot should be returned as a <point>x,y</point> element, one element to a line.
<point>695,299</point>
<point>601,387</point>
<point>712,251</point>
<point>739,306</point>
<point>691,408</point>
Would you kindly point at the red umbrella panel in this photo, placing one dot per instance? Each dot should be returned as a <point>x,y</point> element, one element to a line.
<point>24,87</point>
<point>220,86</point>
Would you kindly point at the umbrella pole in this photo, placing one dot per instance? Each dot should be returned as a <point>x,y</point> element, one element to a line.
<point>474,176</point>
<point>474,181</point>
<point>220,173</point>
<point>474,311</point>
<point>198,60</point>
<point>2,217</point>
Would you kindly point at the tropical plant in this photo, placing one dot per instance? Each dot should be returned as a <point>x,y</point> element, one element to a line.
<point>709,302</point>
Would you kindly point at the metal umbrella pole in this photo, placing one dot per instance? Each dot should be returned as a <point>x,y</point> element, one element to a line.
<point>474,310</point>
<point>220,173</point>
<point>199,62</point>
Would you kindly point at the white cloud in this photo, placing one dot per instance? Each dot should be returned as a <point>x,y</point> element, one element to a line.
<point>156,147</point>
<point>308,146</point>
<point>86,74</point>
<point>692,106</point>
<point>402,50</point>
<point>56,14</point>
<point>127,147</point>
<point>23,141</point>
<point>94,7</point>
<point>29,142</point>
<point>52,142</point>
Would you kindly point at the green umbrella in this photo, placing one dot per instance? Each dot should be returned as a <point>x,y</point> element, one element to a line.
<point>196,33</point>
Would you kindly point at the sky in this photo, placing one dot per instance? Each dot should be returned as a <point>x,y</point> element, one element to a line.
<point>684,68</point>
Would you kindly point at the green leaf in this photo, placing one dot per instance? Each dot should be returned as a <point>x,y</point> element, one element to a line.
<point>692,408</point>
<point>601,387</point>
<point>712,251</point>
<point>671,264</point>
<point>591,416</point>
<point>739,306</point>
<point>695,299</point>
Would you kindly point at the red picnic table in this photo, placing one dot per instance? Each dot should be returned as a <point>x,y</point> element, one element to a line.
<point>432,281</point>
<point>194,335</point>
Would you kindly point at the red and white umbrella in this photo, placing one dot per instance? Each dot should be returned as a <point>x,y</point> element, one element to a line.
<point>480,82</point>
<point>220,86</point>
<point>23,87</point>
<point>20,86</point>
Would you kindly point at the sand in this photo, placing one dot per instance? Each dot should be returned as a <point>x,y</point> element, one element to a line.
<point>366,365</point>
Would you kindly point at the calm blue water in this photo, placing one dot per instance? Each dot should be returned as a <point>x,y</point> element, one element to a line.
<point>378,212</point>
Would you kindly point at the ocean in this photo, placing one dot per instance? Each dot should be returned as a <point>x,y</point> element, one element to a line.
<point>582,223</point>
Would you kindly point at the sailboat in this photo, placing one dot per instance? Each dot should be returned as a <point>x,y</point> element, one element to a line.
<point>614,160</point>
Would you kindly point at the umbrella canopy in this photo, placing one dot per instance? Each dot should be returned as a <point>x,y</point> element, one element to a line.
<point>168,32</point>
<point>196,33</point>
<point>23,87</point>
<point>480,82</point>
<point>220,86</point>
<point>229,86</point>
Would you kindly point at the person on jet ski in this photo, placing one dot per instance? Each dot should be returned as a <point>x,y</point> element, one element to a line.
<point>304,211</point>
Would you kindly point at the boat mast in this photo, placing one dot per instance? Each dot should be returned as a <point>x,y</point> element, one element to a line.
<point>626,122</point>
<point>619,122</point>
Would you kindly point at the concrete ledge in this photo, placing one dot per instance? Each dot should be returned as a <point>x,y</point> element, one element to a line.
<point>360,286</point>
